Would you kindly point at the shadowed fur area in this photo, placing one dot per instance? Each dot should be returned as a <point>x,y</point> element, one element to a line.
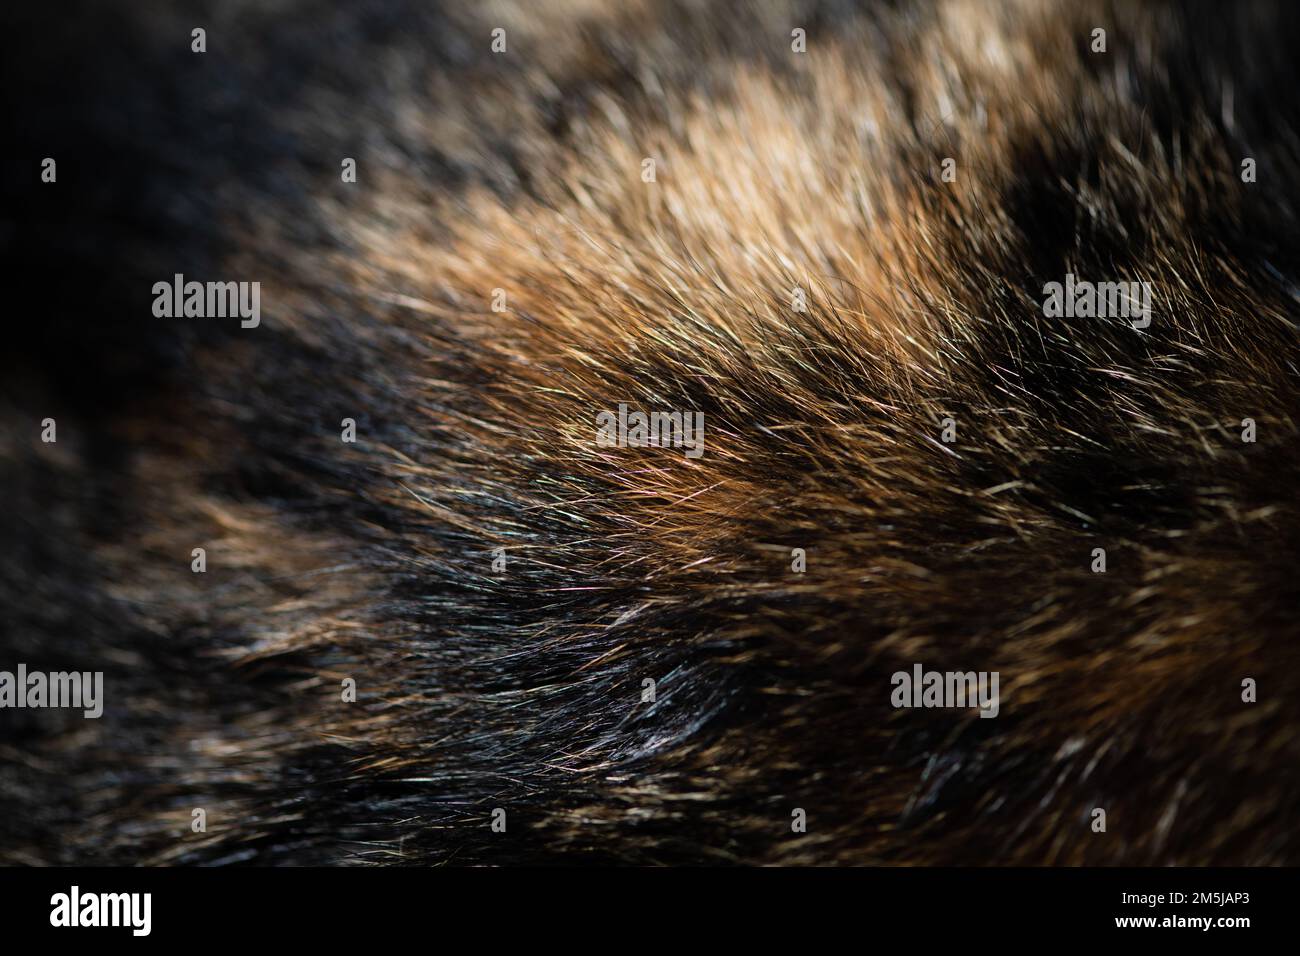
<point>521,688</point>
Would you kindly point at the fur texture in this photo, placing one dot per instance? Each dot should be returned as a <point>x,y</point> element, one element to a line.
<point>522,689</point>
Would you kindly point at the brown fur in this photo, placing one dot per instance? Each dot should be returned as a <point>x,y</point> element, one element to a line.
<point>522,690</point>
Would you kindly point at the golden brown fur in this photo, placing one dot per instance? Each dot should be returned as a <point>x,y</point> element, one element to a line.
<point>522,690</point>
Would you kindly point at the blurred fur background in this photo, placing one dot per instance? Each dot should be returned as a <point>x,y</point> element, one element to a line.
<point>522,690</point>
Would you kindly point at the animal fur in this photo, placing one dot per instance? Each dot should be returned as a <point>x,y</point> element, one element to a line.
<point>522,689</point>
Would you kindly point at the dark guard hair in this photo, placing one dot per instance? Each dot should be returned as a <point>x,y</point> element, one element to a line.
<point>523,688</point>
